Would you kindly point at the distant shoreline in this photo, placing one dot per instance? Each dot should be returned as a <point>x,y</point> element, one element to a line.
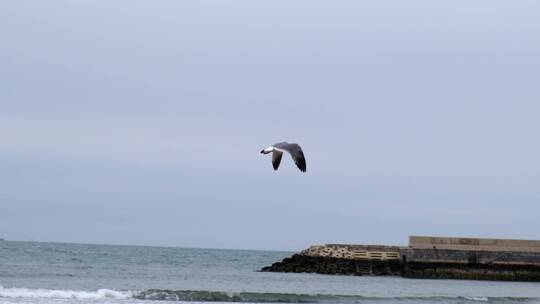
<point>138,245</point>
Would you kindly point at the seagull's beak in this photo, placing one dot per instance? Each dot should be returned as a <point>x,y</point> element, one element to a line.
<point>262,151</point>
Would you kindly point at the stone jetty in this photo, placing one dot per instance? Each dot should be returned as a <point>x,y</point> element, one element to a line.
<point>425,257</point>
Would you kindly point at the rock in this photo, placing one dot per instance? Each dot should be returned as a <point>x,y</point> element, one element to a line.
<point>330,265</point>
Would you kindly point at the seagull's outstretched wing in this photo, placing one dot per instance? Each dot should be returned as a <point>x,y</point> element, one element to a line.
<point>276,159</point>
<point>296,153</point>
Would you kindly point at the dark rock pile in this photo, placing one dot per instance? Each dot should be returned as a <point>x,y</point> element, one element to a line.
<point>330,265</point>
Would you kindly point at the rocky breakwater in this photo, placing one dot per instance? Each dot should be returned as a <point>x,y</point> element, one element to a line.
<point>342,259</point>
<point>425,257</point>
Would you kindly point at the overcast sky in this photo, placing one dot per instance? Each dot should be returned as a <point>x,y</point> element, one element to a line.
<point>141,122</point>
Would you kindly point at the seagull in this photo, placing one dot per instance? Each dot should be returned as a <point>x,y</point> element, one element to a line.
<point>293,149</point>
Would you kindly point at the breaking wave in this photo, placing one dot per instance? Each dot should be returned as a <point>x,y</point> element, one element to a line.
<point>256,297</point>
<point>239,297</point>
<point>63,293</point>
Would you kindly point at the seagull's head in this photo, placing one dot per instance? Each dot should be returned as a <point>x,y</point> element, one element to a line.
<point>267,150</point>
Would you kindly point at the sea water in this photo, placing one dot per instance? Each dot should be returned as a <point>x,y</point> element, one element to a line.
<point>34,272</point>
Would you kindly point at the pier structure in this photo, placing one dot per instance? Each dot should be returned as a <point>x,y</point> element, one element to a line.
<point>424,257</point>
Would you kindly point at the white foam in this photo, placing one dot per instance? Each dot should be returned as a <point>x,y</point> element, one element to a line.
<point>482,299</point>
<point>63,293</point>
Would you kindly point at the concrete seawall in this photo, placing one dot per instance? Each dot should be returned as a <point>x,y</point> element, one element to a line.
<point>425,257</point>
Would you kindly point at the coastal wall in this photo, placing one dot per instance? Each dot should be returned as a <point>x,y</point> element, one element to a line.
<point>469,256</point>
<point>424,258</point>
<point>470,264</point>
<point>480,244</point>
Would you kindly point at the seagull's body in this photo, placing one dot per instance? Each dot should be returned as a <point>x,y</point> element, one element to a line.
<point>293,149</point>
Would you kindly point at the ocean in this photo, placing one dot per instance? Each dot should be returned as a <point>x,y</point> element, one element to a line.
<point>35,272</point>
